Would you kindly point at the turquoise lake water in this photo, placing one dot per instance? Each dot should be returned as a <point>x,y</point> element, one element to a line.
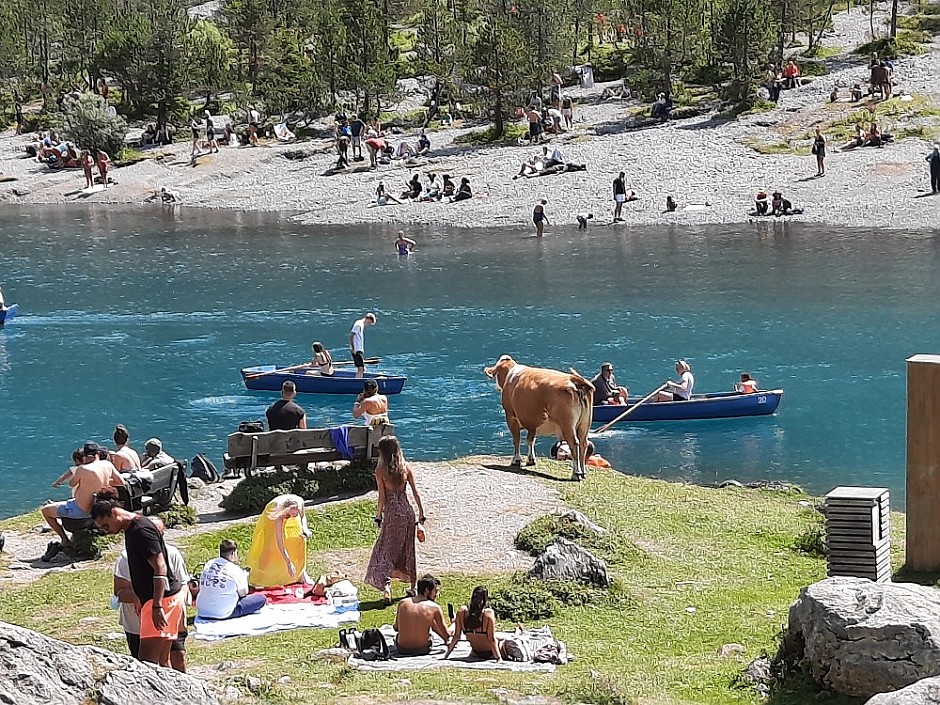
<point>144,317</point>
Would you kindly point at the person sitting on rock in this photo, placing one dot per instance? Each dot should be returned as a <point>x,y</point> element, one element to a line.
<point>858,141</point>
<point>424,144</point>
<point>761,202</point>
<point>661,108</point>
<point>791,74</point>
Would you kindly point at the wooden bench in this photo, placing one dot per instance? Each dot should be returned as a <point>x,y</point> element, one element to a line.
<point>248,451</point>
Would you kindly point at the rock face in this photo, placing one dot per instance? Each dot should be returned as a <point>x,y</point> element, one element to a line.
<point>566,560</point>
<point>575,517</point>
<point>862,638</point>
<point>925,692</point>
<point>37,669</point>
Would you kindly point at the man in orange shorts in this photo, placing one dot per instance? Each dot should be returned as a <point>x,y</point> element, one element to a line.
<point>159,590</point>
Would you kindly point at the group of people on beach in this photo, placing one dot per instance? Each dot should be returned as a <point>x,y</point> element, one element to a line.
<point>434,190</point>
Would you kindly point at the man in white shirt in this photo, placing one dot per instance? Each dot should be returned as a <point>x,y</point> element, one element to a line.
<point>357,341</point>
<point>129,605</point>
<point>223,587</point>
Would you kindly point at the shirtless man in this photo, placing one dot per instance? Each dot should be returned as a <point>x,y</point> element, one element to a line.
<point>417,616</point>
<point>87,479</point>
<point>124,457</point>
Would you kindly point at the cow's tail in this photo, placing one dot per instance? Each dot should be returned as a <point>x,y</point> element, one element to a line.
<point>585,393</point>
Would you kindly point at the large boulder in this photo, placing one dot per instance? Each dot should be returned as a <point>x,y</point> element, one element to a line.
<point>566,560</point>
<point>37,669</point>
<point>861,638</point>
<point>925,692</point>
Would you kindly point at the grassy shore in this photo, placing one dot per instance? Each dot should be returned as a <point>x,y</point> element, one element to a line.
<point>696,568</point>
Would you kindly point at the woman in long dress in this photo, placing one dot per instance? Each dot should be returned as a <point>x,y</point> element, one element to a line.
<point>393,555</point>
<point>278,554</point>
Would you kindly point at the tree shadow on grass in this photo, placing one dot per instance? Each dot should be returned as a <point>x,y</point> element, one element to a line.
<point>529,471</point>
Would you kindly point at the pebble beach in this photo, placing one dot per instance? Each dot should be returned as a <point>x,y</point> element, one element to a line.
<point>708,164</point>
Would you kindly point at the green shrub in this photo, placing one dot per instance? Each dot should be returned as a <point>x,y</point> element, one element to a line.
<point>610,61</point>
<point>600,690</point>
<point>251,494</point>
<point>511,134</point>
<point>523,599</point>
<point>813,67</point>
<point>536,536</point>
<point>87,124</point>
<point>90,545</point>
<point>179,515</point>
<point>921,23</point>
<point>812,539</point>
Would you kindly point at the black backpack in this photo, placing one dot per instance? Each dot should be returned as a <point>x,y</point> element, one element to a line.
<point>251,427</point>
<point>204,469</point>
<point>372,646</point>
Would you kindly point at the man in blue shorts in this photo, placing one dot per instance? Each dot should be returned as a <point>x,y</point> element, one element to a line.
<point>86,480</point>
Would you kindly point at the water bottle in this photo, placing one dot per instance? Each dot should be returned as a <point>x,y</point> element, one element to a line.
<point>345,603</point>
<point>114,603</point>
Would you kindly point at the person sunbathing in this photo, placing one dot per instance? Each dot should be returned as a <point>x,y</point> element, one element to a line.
<point>874,137</point>
<point>412,188</point>
<point>531,165</point>
<point>478,623</point>
<point>857,141</point>
<point>417,616</point>
<point>382,197</point>
<point>405,151</point>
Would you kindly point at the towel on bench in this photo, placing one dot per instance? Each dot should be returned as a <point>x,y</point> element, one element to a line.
<point>340,438</point>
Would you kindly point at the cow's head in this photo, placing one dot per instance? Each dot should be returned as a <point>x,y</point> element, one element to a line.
<point>500,371</point>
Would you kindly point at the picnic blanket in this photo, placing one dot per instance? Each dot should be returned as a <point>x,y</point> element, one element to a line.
<point>291,594</point>
<point>275,618</point>
<point>459,658</point>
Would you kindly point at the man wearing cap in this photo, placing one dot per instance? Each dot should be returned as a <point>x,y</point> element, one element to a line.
<point>89,477</point>
<point>606,389</point>
<point>154,457</point>
<point>357,341</point>
<point>285,414</point>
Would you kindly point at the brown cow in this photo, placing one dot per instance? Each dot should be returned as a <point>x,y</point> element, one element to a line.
<point>547,403</point>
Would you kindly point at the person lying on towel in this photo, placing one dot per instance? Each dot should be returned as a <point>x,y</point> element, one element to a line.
<point>223,587</point>
<point>417,615</point>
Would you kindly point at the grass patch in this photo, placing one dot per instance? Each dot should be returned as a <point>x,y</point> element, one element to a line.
<point>822,52</point>
<point>511,134</point>
<point>23,522</point>
<point>907,43</point>
<point>773,146</point>
<point>929,23</point>
<point>726,553</point>
<point>179,515</point>
<point>536,536</point>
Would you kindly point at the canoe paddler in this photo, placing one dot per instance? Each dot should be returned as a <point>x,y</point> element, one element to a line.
<point>357,341</point>
<point>681,390</point>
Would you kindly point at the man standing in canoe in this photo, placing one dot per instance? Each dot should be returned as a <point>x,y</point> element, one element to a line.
<point>357,341</point>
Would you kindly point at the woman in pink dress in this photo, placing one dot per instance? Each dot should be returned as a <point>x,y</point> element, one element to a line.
<point>393,555</point>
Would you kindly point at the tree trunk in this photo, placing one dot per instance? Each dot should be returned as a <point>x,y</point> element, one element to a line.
<point>894,18</point>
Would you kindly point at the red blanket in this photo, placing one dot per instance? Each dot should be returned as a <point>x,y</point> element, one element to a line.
<point>291,594</point>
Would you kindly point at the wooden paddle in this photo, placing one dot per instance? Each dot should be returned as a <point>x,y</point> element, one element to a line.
<point>347,363</point>
<point>255,375</point>
<point>632,408</point>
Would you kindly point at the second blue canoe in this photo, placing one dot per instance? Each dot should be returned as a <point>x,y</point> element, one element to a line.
<point>270,378</point>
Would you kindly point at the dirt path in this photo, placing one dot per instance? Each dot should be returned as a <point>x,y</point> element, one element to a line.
<point>475,507</point>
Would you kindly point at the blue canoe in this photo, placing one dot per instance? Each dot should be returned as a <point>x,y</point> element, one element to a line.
<point>341,382</point>
<point>721,405</point>
<point>6,314</point>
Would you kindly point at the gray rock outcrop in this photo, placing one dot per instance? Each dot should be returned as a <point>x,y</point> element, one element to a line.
<point>861,638</point>
<point>566,560</point>
<point>37,669</point>
<point>923,692</point>
<point>573,516</point>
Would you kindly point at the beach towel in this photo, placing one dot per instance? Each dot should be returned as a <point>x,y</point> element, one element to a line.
<point>459,658</point>
<point>283,133</point>
<point>339,436</point>
<point>275,618</point>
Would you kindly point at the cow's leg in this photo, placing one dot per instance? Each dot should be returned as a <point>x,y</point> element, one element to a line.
<point>530,436</point>
<point>515,428</point>
<point>577,452</point>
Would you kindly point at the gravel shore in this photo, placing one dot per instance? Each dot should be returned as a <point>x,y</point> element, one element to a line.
<point>705,163</point>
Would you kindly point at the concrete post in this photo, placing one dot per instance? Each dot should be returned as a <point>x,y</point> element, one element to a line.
<point>923,463</point>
